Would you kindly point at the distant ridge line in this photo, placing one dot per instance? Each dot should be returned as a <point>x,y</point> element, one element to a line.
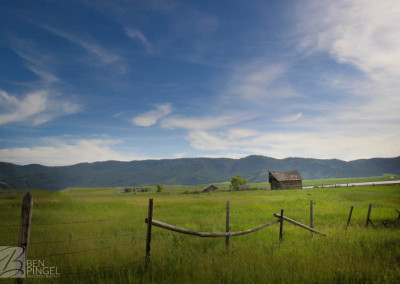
<point>186,171</point>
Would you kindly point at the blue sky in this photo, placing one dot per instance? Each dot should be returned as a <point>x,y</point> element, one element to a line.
<point>85,81</point>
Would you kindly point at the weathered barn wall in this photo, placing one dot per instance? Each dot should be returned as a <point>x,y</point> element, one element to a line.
<point>285,180</point>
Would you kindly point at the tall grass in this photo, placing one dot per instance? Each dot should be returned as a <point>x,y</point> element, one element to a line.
<point>113,249</point>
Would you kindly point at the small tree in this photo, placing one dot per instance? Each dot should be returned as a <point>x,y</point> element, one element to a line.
<point>236,181</point>
<point>128,189</point>
<point>160,187</point>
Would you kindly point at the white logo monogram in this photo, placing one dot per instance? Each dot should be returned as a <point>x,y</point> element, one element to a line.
<point>12,262</point>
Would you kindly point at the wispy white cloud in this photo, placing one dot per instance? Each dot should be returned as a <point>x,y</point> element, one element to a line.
<point>34,108</point>
<point>241,133</point>
<point>102,55</point>
<point>362,33</point>
<point>328,143</point>
<point>350,116</point>
<point>289,118</point>
<point>138,35</point>
<point>257,82</point>
<point>200,122</point>
<point>362,109</point>
<point>57,152</point>
<point>36,60</point>
<point>151,117</point>
<point>118,114</point>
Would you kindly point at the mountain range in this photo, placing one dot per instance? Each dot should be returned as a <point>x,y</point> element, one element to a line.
<point>185,171</point>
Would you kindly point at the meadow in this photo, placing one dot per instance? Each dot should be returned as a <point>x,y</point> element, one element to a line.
<point>97,235</point>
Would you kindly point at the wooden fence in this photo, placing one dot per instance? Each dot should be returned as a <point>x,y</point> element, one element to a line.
<point>26,214</point>
<point>151,222</point>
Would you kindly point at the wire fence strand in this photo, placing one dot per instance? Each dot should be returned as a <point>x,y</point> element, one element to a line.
<point>85,250</point>
<point>85,239</point>
<point>67,223</point>
<point>9,225</point>
<point>79,222</point>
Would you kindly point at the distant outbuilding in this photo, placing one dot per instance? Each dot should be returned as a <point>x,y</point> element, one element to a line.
<point>285,180</point>
<point>243,187</point>
<point>210,188</point>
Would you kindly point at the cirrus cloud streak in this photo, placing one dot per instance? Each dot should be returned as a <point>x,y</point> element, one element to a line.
<point>57,152</point>
<point>34,108</point>
<point>151,117</point>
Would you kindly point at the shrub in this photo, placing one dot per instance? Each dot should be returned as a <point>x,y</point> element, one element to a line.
<point>128,189</point>
<point>160,187</point>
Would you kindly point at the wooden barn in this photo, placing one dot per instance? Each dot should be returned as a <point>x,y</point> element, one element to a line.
<point>285,180</point>
<point>210,188</point>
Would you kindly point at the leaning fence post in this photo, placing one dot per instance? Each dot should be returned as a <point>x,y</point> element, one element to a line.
<point>228,224</point>
<point>368,217</point>
<point>348,220</point>
<point>281,227</point>
<point>311,216</point>
<point>24,229</point>
<point>149,224</point>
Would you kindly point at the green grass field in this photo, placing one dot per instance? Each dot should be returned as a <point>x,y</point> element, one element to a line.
<point>112,249</point>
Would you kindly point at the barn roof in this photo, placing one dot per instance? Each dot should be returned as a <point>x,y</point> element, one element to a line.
<point>210,187</point>
<point>285,176</point>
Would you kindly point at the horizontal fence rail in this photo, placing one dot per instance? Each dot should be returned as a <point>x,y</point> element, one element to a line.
<point>206,234</point>
<point>298,224</point>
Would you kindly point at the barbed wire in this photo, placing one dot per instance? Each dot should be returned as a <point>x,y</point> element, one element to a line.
<point>134,238</point>
<point>85,250</point>
<point>78,222</point>
<point>85,239</point>
<point>9,225</point>
<point>66,223</point>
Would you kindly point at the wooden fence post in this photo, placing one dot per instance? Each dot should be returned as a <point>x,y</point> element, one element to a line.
<point>281,227</point>
<point>398,218</point>
<point>348,219</point>
<point>311,216</point>
<point>228,224</point>
<point>25,226</point>
<point>368,217</point>
<point>149,224</point>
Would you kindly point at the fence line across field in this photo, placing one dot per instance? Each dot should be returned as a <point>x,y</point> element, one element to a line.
<point>151,222</point>
<point>26,214</point>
